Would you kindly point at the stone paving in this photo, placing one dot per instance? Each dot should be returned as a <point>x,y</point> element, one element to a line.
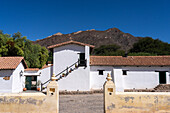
<point>81,103</point>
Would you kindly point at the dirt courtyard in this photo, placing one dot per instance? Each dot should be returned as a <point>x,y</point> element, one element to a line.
<point>81,103</point>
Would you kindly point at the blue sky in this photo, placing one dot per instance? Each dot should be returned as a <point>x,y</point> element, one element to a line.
<point>38,19</point>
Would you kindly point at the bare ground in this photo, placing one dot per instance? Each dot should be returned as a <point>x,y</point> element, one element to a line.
<point>82,103</point>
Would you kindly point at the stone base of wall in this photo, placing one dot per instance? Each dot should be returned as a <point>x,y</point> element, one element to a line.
<point>140,103</point>
<point>134,102</point>
<point>27,103</point>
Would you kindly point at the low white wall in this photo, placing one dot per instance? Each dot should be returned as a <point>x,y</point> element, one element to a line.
<point>96,80</point>
<point>45,75</point>
<point>141,79</point>
<point>18,81</point>
<point>138,77</point>
<point>5,85</point>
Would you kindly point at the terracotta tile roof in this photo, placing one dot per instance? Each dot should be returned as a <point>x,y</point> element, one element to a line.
<point>11,62</point>
<point>31,69</point>
<point>45,66</point>
<point>130,60</point>
<point>69,42</point>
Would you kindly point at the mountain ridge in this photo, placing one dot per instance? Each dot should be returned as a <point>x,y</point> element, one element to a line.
<point>93,37</point>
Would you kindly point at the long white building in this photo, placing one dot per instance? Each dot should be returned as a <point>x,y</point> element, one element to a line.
<point>76,70</point>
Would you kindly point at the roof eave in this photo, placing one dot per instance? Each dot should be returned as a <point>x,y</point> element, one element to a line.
<point>69,42</point>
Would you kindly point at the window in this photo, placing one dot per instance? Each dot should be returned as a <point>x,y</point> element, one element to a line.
<point>124,72</point>
<point>100,72</point>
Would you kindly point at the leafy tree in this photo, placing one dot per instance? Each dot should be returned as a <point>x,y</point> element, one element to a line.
<point>50,58</point>
<point>109,50</point>
<point>149,45</point>
<point>34,54</point>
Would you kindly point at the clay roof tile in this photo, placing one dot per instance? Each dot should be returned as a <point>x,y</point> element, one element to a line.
<point>11,62</point>
<point>130,60</point>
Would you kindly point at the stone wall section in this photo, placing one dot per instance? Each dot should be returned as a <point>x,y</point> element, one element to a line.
<point>134,102</point>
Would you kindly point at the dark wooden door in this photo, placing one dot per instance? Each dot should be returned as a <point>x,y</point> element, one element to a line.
<point>28,82</point>
<point>31,82</point>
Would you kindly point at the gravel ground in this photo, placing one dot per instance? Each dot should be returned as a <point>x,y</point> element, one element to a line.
<point>82,103</point>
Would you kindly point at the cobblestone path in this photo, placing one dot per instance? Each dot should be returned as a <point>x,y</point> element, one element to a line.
<point>82,103</point>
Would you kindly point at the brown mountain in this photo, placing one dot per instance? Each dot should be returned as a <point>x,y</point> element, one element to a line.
<point>93,37</point>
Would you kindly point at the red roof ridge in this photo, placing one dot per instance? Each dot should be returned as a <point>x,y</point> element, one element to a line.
<point>69,42</point>
<point>46,66</point>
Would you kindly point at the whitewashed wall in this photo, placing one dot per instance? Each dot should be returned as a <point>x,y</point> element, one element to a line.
<point>18,81</point>
<point>118,79</point>
<point>168,77</point>
<point>96,80</point>
<point>45,75</point>
<point>138,77</point>
<point>65,56</point>
<point>5,85</point>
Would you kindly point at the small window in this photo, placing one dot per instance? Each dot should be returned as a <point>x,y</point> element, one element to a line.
<point>100,72</point>
<point>124,72</point>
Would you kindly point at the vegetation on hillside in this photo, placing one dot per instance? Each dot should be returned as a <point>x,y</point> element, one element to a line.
<point>109,50</point>
<point>151,46</point>
<point>144,47</point>
<point>18,45</point>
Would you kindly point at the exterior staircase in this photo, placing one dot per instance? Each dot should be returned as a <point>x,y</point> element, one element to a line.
<point>162,88</point>
<point>158,88</point>
<point>66,72</point>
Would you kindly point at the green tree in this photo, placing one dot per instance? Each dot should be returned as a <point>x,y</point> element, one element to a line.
<point>109,50</point>
<point>149,45</point>
<point>18,45</point>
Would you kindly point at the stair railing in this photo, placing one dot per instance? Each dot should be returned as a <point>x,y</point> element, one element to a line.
<point>79,63</point>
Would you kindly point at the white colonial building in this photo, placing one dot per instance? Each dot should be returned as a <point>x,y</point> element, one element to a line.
<point>12,79</point>
<point>132,72</point>
<point>76,70</point>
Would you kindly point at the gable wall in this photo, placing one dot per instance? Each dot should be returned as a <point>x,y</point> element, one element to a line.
<point>67,55</point>
<point>18,81</point>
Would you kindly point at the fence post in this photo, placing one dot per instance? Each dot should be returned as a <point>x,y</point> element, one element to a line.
<point>67,71</point>
<point>109,95</point>
<point>53,92</point>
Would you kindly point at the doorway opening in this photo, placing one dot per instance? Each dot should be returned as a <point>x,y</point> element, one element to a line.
<point>31,82</point>
<point>82,59</point>
<point>162,77</point>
